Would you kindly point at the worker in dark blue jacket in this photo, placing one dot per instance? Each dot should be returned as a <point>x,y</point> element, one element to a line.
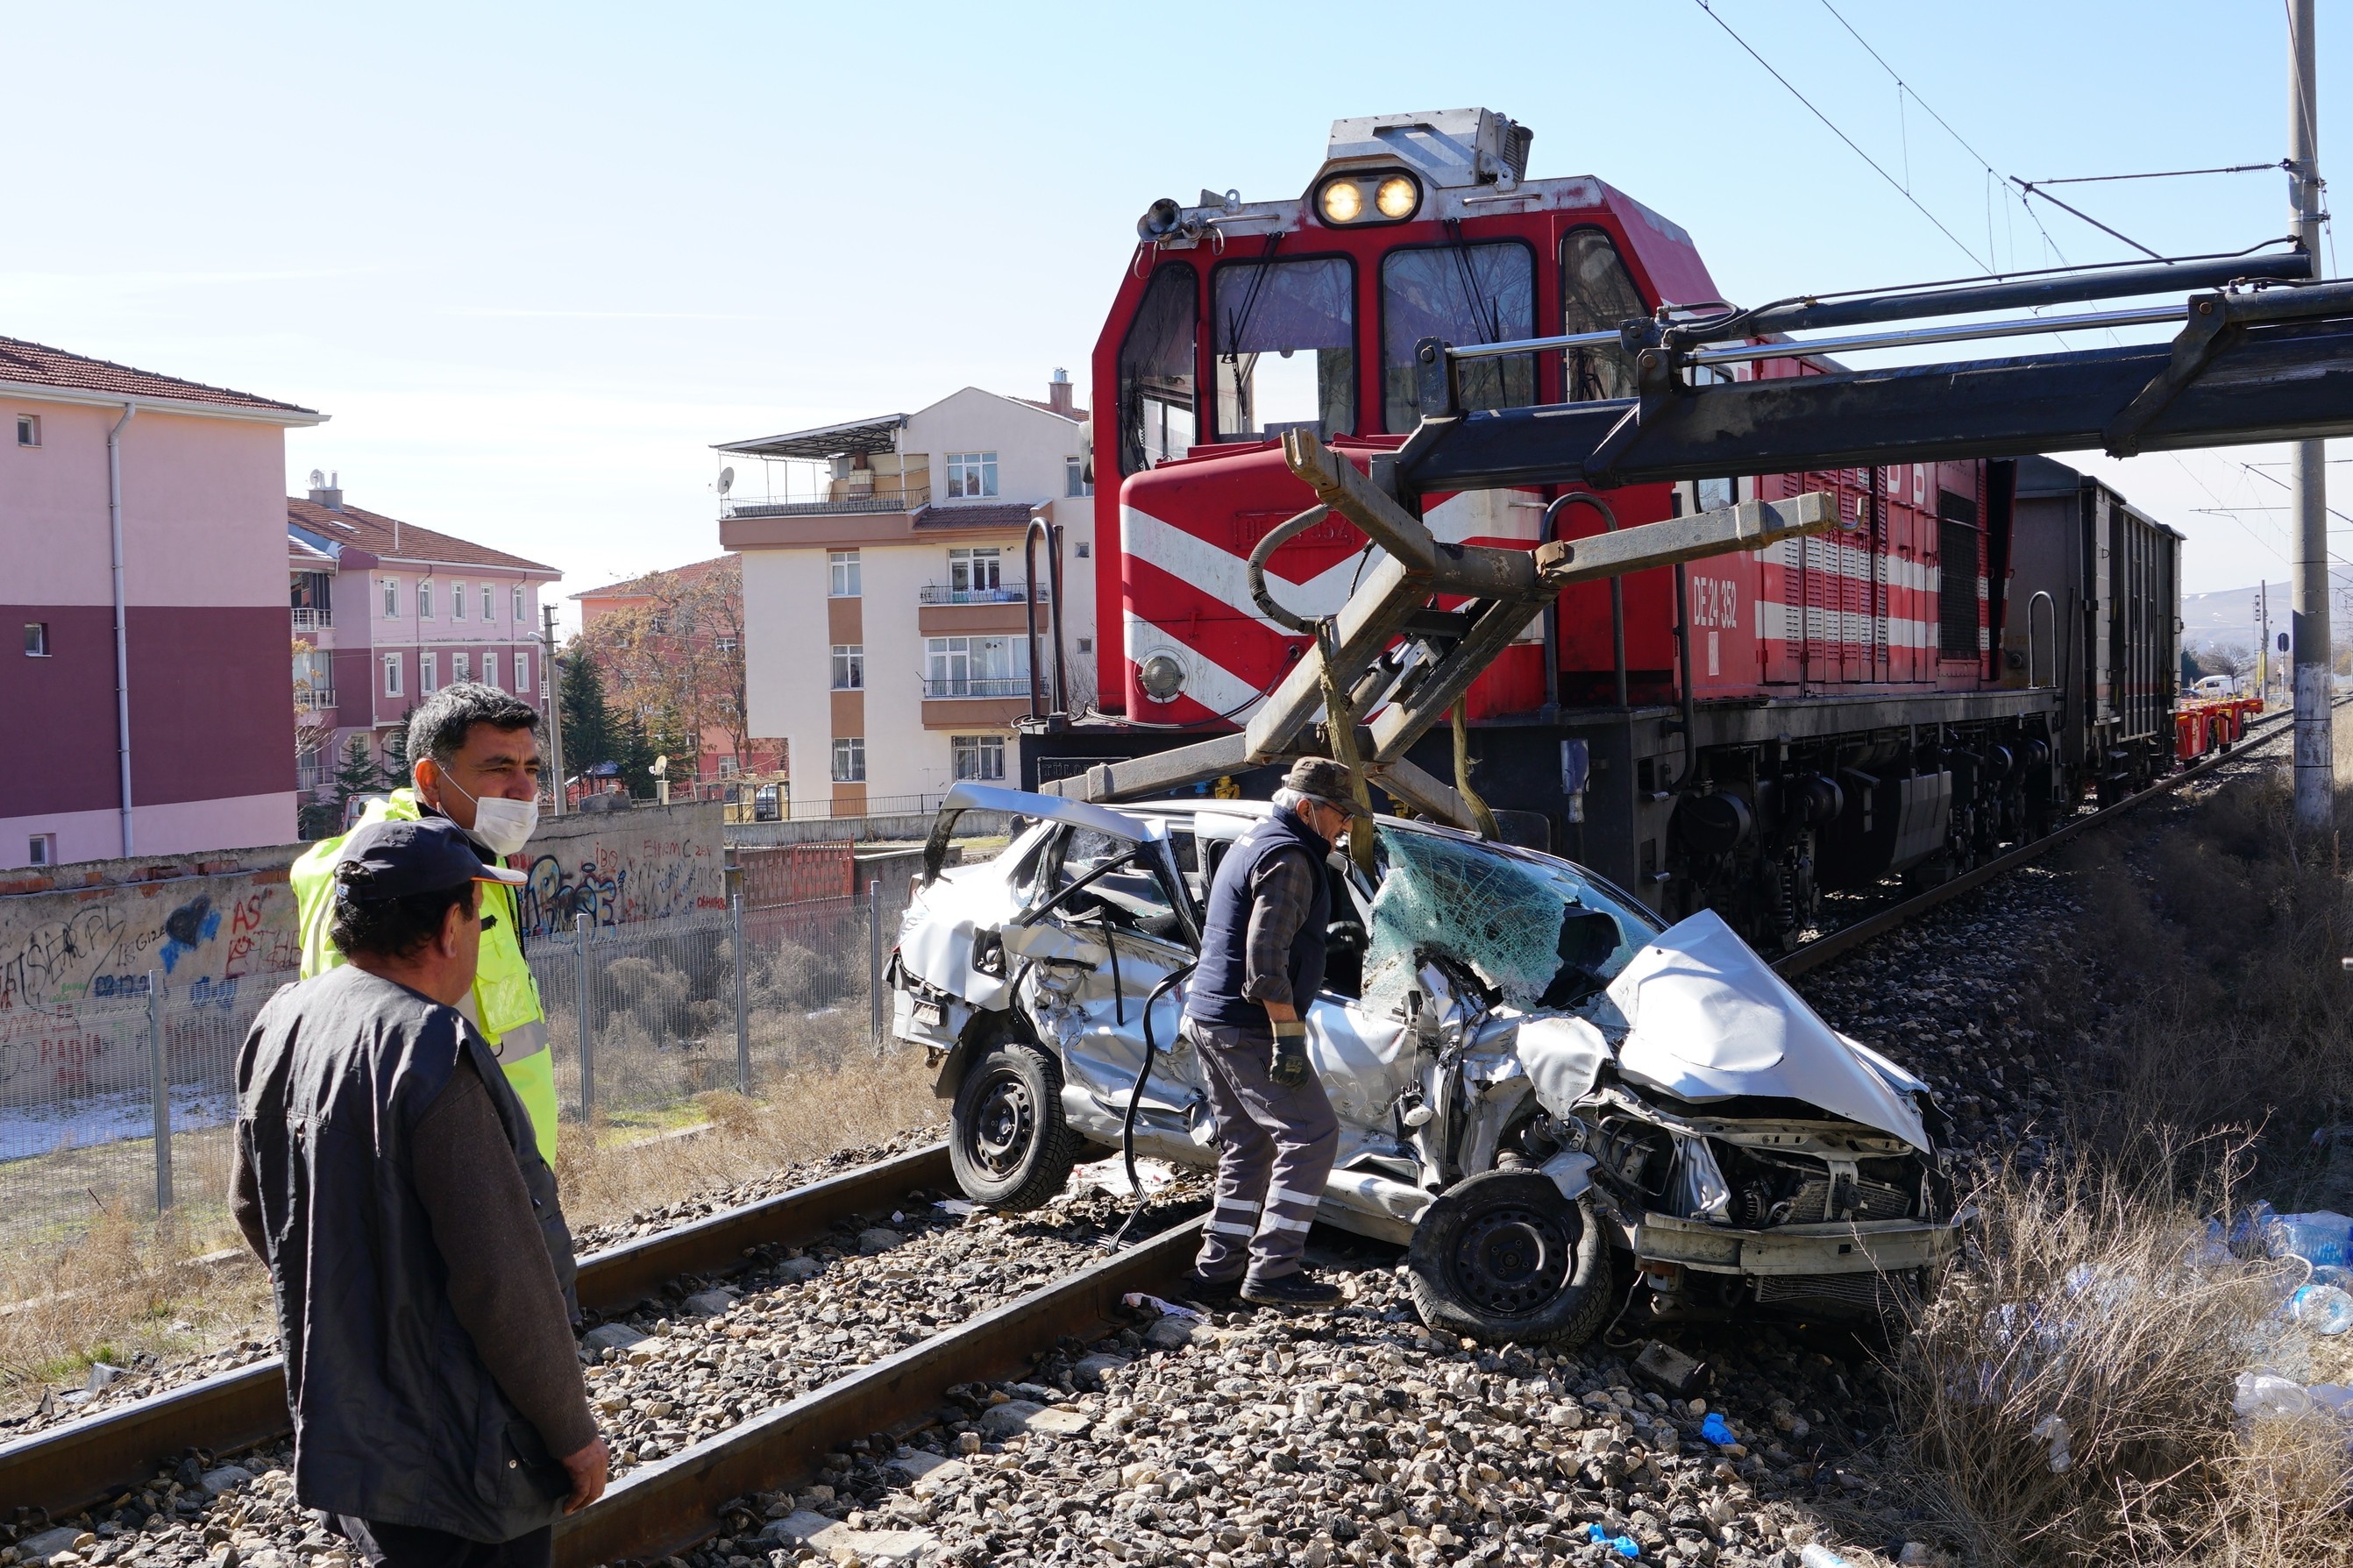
<point>1245,1014</point>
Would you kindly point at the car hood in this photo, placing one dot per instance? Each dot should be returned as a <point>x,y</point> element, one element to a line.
<point>1709,1019</point>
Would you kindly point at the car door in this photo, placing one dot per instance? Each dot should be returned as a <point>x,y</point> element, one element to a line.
<point>1111,922</point>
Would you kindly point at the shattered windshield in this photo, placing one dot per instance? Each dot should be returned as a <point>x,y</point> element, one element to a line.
<point>1538,932</point>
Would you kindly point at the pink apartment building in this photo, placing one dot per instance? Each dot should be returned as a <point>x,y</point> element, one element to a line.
<point>142,548</point>
<point>386,612</point>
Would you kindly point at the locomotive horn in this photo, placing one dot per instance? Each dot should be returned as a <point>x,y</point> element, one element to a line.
<point>1159,219</point>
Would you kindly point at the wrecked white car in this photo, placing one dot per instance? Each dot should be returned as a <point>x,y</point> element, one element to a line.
<point>1539,1088</point>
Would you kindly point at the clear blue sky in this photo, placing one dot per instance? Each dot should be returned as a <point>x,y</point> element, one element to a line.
<point>535,259</point>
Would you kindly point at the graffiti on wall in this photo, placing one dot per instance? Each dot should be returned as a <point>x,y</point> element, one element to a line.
<point>58,949</point>
<point>614,875</point>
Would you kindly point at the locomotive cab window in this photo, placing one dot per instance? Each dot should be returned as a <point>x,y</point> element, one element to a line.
<point>1157,371</point>
<point>1596,295</point>
<point>1461,294</point>
<point>1284,346</point>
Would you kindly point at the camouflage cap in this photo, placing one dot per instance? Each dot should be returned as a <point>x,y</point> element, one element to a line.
<point>1326,780</point>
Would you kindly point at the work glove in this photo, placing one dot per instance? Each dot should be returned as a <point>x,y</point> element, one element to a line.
<point>1288,1065</point>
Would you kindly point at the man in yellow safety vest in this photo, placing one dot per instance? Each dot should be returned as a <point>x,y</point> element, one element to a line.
<point>474,754</point>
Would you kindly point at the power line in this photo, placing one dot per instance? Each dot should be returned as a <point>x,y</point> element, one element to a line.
<point>1893,181</point>
<point>2165,173</point>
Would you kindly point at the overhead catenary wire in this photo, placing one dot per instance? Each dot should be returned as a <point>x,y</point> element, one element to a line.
<point>1877,168</point>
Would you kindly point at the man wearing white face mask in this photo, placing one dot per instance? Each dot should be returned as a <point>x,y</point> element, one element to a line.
<point>476,762</point>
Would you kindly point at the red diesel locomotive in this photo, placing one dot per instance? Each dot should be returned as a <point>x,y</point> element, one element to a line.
<point>1820,714</point>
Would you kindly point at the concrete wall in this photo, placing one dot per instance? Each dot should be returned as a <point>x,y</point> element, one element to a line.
<point>1029,443</point>
<point>646,864</point>
<point>95,930</point>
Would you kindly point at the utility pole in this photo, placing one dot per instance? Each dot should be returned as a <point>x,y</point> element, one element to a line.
<point>2309,470</point>
<point>555,700</point>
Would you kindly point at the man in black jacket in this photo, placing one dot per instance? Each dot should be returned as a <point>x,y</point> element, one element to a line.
<point>1245,1013</point>
<point>389,1178</point>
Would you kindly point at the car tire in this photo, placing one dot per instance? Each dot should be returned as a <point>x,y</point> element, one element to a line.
<point>1505,1257</point>
<point>1008,1143</point>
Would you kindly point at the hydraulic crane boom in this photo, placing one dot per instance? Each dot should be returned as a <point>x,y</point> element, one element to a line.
<point>2271,365</point>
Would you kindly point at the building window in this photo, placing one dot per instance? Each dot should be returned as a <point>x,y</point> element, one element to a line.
<point>972,474</point>
<point>37,640</point>
<point>425,607</point>
<point>428,672</point>
<point>457,601</point>
<point>1086,645</point>
<point>41,848</point>
<point>518,606</point>
<point>461,665</point>
<point>850,761</point>
<point>843,567</point>
<point>976,666</point>
<point>849,666</point>
<point>724,645</point>
<point>1084,549</point>
<point>522,674</point>
<point>523,677</point>
<point>489,603</point>
<point>1074,477</point>
<point>392,675</point>
<point>392,598</point>
<point>490,669</point>
<point>979,756</point>
<point>976,571</point>
<point>29,433</point>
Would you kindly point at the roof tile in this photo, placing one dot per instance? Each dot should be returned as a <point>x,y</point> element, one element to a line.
<point>41,365</point>
<point>373,532</point>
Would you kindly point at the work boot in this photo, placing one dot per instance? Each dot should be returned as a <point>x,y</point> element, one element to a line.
<point>1299,1288</point>
<point>1198,1287</point>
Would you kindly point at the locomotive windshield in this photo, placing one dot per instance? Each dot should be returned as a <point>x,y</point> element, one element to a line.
<point>1462,294</point>
<point>1596,295</point>
<point>1285,345</point>
<point>1155,372</point>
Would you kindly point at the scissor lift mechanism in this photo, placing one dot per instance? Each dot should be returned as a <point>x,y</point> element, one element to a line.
<point>2250,365</point>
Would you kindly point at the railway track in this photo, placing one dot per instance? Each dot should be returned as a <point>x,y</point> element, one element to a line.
<point>665,1505</point>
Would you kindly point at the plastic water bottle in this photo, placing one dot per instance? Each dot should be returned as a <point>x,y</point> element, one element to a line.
<point>2322,1309</point>
<point>2323,1237</point>
<point>1818,1556</point>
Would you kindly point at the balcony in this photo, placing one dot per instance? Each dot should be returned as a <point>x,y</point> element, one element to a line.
<point>1002,593</point>
<point>902,497</point>
<point>315,698</point>
<point>955,686</point>
<point>310,620</point>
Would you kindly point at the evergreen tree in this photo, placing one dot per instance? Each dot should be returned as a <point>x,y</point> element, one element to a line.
<point>396,752</point>
<point>589,735</point>
<point>356,776</point>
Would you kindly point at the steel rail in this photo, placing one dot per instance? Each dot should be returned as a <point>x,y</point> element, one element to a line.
<point>663,1507</point>
<point>80,1463</point>
<point>1847,938</point>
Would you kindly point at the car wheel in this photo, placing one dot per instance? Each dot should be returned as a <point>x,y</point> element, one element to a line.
<point>1007,1142</point>
<point>1503,1255</point>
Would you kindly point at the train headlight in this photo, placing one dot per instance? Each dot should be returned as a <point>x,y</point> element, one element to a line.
<point>1344,202</point>
<point>1162,676</point>
<point>1373,198</point>
<point>1397,197</point>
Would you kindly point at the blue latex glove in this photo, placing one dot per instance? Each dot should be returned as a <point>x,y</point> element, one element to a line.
<point>1717,1430</point>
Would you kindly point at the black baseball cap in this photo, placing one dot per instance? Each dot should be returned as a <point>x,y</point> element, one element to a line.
<point>394,860</point>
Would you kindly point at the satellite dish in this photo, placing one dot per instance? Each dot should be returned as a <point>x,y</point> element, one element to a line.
<point>726,481</point>
<point>661,767</point>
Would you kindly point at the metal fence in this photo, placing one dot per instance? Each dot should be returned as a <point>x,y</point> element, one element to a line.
<point>130,1100</point>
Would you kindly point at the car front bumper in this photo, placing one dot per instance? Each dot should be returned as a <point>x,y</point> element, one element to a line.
<point>1853,1247</point>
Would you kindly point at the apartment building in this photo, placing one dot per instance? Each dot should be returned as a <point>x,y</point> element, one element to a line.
<point>386,612</point>
<point>884,595</point>
<point>140,552</point>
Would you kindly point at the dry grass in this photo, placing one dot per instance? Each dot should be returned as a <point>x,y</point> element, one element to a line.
<point>2094,1313</point>
<point>2203,1027</point>
<point>131,1285</point>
